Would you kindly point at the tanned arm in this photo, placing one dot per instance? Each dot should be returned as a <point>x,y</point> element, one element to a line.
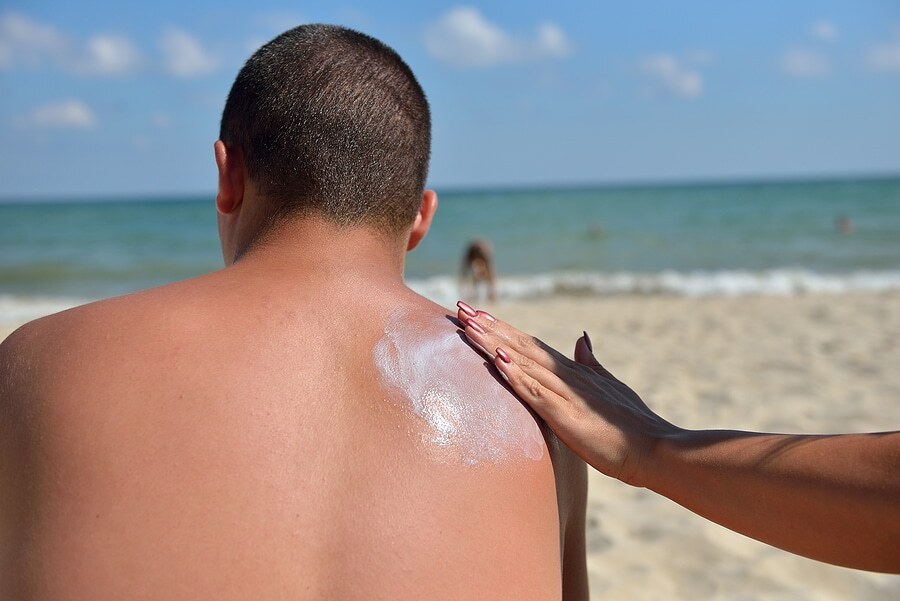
<point>831,498</point>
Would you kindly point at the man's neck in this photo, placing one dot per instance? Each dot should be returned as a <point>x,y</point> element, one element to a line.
<point>314,246</point>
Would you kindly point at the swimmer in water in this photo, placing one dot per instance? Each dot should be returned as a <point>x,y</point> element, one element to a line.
<point>843,225</point>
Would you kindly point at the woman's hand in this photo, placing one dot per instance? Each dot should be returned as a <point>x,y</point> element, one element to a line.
<point>593,413</point>
<point>831,498</point>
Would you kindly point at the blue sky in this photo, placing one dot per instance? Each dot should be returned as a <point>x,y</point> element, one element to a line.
<point>110,98</point>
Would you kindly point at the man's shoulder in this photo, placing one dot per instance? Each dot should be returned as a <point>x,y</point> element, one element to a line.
<point>60,374</point>
<point>28,349</point>
<point>34,360</point>
<point>104,328</point>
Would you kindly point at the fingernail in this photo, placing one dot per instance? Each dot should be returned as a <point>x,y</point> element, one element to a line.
<point>466,309</point>
<point>503,356</point>
<point>588,340</point>
<point>474,325</point>
<point>488,316</point>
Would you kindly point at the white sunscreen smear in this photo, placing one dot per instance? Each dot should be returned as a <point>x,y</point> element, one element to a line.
<point>468,415</point>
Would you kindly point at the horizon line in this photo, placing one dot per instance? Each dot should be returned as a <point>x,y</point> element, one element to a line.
<point>462,189</point>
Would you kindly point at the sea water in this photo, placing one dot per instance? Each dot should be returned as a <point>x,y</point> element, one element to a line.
<point>711,239</point>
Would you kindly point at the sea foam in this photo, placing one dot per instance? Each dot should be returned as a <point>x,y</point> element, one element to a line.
<point>780,282</point>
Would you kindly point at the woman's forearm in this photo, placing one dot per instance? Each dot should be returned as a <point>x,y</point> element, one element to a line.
<point>832,498</point>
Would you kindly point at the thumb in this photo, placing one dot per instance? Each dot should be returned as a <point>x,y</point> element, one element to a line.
<point>585,355</point>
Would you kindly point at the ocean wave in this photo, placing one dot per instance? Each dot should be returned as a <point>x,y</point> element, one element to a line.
<point>16,310</point>
<point>780,282</point>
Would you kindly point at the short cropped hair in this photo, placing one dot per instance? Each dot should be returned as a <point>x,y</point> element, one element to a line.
<point>332,122</point>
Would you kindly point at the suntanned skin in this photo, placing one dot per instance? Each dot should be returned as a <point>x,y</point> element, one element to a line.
<point>227,437</point>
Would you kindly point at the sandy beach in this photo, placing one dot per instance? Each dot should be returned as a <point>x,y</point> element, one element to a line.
<point>809,364</point>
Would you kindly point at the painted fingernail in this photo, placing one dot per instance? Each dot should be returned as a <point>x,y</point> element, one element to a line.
<point>474,325</point>
<point>487,316</point>
<point>588,340</point>
<point>466,309</point>
<point>503,356</point>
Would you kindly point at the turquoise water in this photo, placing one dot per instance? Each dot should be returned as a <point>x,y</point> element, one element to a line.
<point>98,249</point>
<point>703,239</point>
<point>682,228</point>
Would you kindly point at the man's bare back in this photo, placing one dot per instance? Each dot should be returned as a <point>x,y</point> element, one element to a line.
<point>234,435</point>
<point>289,426</point>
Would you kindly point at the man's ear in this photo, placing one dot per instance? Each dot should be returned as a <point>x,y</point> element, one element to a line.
<point>423,219</point>
<point>230,164</point>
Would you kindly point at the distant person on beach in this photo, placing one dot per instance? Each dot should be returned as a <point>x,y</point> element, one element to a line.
<point>477,269</point>
<point>834,498</point>
<point>288,427</point>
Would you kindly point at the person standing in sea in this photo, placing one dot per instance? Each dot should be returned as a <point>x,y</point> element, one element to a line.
<point>477,269</point>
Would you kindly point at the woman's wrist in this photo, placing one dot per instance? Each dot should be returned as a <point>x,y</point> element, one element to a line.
<point>665,454</point>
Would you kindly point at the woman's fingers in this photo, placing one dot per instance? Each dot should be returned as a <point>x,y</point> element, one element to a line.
<point>556,380</point>
<point>540,366</point>
<point>548,403</point>
<point>584,355</point>
<point>486,331</point>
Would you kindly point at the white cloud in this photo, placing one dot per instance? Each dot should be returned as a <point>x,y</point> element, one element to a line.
<point>25,42</point>
<point>673,76</point>
<point>824,30</point>
<point>70,114</point>
<point>804,63</point>
<point>552,42</point>
<point>886,57</point>
<point>464,38</point>
<point>109,55</point>
<point>184,55</point>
